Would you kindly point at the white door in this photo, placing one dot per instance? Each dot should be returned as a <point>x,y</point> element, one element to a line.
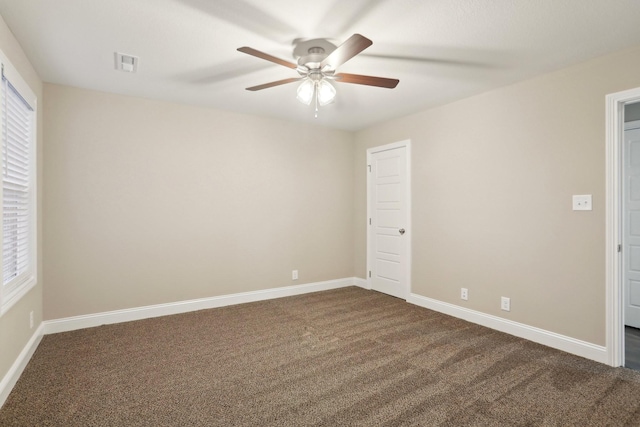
<point>388,237</point>
<point>631,227</point>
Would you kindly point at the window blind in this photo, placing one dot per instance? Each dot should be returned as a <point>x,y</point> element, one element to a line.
<point>16,179</point>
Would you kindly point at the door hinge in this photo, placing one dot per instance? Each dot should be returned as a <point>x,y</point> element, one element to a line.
<point>369,221</point>
<point>369,273</point>
<point>619,248</point>
<point>369,166</point>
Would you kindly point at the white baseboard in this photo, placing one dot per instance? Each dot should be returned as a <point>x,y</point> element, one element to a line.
<point>361,283</point>
<point>541,336</point>
<point>146,312</point>
<point>11,378</point>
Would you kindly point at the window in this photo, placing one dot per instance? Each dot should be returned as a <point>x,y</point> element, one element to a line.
<point>18,201</point>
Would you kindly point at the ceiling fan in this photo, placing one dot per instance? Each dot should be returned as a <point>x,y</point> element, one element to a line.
<point>317,61</point>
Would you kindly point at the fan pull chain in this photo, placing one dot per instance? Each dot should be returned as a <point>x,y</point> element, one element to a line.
<point>316,95</point>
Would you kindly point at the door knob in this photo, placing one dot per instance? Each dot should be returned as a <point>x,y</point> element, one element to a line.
<point>401,231</point>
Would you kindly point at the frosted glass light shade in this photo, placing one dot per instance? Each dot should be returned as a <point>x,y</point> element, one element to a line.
<point>305,91</point>
<point>326,92</point>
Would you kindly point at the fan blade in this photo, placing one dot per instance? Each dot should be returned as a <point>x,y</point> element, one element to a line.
<point>344,15</point>
<point>243,14</point>
<point>367,80</point>
<point>262,55</point>
<point>435,61</point>
<point>276,83</point>
<point>347,50</point>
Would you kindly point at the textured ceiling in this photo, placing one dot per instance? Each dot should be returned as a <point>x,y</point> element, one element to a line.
<point>441,50</point>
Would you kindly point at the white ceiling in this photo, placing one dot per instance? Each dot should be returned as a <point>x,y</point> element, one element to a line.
<point>441,50</point>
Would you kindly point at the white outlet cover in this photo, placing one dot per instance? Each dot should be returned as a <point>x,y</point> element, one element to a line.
<point>582,202</point>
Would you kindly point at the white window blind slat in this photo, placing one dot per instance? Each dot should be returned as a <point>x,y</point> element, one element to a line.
<point>16,215</point>
<point>17,173</point>
<point>19,234</point>
<point>15,138</point>
<point>19,226</point>
<point>20,258</point>
<point>19,122</point>
<point>14,187</point>
<point>15,134</point>
<point>14,150</point>
<point>15,211</point>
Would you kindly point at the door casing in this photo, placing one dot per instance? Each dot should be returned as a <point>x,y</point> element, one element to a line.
<point>614,286</point>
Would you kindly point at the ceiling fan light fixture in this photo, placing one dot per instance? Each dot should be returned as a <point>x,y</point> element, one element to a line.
<point>306,91</point>
<point>316,63</point>
<point>326,92</point>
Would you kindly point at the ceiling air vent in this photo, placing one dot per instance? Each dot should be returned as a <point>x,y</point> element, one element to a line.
<point>126,63</point>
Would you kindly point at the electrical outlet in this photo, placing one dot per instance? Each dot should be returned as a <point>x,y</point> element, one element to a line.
<point>505,304</point>
<point>464,293</point>
<point>582,202</point>
<point>294,275</point>
<point>31,320</point>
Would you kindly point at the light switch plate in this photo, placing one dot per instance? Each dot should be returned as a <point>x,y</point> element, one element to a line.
<point>582,203</point>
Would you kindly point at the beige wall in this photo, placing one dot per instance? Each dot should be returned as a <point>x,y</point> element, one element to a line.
<point>492,178</point>
<point>14,324</point>
<point>150,202</point>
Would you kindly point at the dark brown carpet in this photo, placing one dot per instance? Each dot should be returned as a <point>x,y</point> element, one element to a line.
<point>343,357</point>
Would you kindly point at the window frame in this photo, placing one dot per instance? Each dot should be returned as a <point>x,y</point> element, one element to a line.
<point>14,290</point>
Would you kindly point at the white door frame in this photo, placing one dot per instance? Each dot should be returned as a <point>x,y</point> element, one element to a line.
<point>615,103</point>
<point>409,233</point>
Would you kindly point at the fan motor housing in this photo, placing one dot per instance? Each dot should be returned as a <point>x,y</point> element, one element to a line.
<point>310,53</point>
